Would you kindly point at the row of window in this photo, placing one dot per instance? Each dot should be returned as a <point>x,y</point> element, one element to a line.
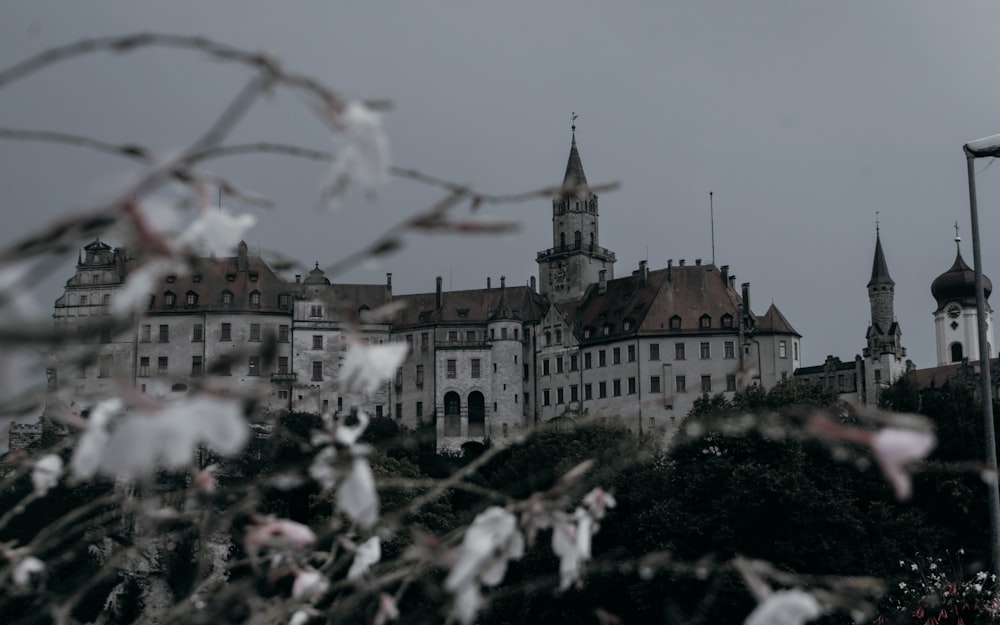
<point>191,299</point>
<point>680,353</point>
<point>655,386</point>
<point>225,333</point>
<point>221,367</point>
<point>704,323</point>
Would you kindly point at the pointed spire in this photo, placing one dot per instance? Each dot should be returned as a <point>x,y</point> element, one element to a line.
<point>574,178</point>
<point>880,269</point>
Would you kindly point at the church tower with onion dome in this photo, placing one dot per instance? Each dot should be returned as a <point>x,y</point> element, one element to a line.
<point>955,322</point>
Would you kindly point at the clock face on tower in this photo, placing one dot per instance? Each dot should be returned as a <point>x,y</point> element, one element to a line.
<point>954,310</point>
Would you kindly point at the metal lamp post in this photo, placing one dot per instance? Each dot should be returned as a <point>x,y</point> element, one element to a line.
<point>986,147</point>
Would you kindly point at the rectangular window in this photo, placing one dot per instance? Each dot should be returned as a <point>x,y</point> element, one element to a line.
<point>254,368</point>
<point>419,410</point>
<point>524,372</point>
<point>452,336</point>
<point>545,397</point>
<point>146,333</point>
<point>282,333</point>
<point>878,376</point>
<point>631,353</point>
<point>378,411</point>
<point>602,358</point>
<point>161,365</point>
<point>470,336</point>
<point>730,349</point>
<point>587,364</point>
<point>680,384</point>
<point>706,384</point>
<point>476,367</point>
<point>226,333</point>
<point>705,351</point>
<point>654,351</point>
<point>424,338</point>
<point>616,356</point>
<point>574,392</point>
<point>588,392</point>
<point>164,333</point>
<point>317,341</point>
<point>616,387</point>
<point>573,362</point>
<point>255,332</point>
<point>452,368</point>
<point>602,390</point>
<point>679,351</point>
<point>545,366</point>
<point>105,334</point>
<point>795,346</point>
<point>420,375</point>
<point>782,349</point>
<point>315,311</point>
<point>503,333</point>
<point>654,384</point>
<point>197,366</point>
<point>144,367</point>
<point>282,364</point>
<point>317,370</point>
<point>559,364</point>
<point>399,411</point>
<point>731,383</point>
<point>197,333</point>
<point>104,367</point>
<point>559,396</point>
<point>631,386</point>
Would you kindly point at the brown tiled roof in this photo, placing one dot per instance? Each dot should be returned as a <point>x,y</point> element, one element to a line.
<point>209,278</point>
<point>688,292</point>
<point>773,322</point>
<point>471,306</point>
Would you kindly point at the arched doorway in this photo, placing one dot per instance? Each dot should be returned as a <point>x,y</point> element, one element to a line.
<point>452,414</point>
<point>477,414</point>
<point>956,352</point>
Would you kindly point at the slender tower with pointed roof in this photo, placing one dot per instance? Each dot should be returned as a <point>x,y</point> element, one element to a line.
<point>885,356</point>
<point>576,258</point>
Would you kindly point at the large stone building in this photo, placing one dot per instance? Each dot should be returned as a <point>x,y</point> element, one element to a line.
<point>482,364</point>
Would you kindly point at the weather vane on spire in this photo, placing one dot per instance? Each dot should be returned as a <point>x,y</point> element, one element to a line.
<point>958,239</point>
<point>573,117</point>
<point>876,223</point>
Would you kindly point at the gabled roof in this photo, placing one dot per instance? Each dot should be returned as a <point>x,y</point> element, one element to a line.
<point>880,269</point>
<point>210,277</point>
<point>773,322</point>
<point>474,306</point>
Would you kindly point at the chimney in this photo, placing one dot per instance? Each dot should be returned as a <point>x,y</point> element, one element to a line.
<point>670,270</point>
<point>503,281</point>
<point>680,263</point>
<point>746,305</point>
<point>697,261</point>
<point>298,278</point>
<point>602,281</point>
<point>534,285</point>
<point>437,299</point>
<point>643,271</point>
<point>724,270</point>
<point>488,285</point>
<point>732,282</point>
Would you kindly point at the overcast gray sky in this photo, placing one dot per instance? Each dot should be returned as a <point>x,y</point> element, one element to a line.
<point>804,118</point>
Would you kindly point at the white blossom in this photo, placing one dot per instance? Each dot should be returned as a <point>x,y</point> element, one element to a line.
<point>368,553</point>
<point>309,584</point>
<point>367,367</point>
<point>45,474</point>
<point>356,494</point>
<point>25,569</point>
<point>141,283</point>
<point>215,231</point>
<point>387,610</point>
<point>894,449</point>
<point>277,534</point>
<point>785,607</point>
<point>90,448</point>
<point>489,544</point>
<point>347,471</point>
<point>571,542</point>
<point>363,156</point>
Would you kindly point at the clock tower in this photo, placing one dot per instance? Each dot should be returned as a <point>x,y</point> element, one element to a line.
<point>955,326</point>
<point>576,258</point>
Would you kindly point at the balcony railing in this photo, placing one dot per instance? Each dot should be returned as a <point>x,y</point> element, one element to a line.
<point>283,377</point>
<point>593,250</point>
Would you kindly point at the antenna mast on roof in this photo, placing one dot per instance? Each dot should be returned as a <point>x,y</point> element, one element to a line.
<point>711,212</point>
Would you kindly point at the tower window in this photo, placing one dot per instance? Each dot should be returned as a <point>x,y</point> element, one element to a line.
<point>956,352</point>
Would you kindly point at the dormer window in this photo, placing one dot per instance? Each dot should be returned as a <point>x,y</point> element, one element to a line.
<point>704,321</point>
<point>675,322</point>
<point>253,276</point>
<point>586,333</point>
<point>283,300</point>
<point>196,277</point>
<point>606,330</point>
<point>171,279</point>
<point>727,320</point>
<point>230,277</point>
<point>191,299</point>
<point>626,325</point>
<point>255,298</point>
<point>558,337</point>
<point>227,298</point>
<point>169,299</point>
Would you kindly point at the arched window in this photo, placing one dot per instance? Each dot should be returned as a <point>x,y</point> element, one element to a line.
<point>956,352</point>
<point>562,239</point>
<point>168,299</point>
<point>591,241</point>
<point>578,239</point>
<point>452,414</point>
<point>227,297</point>
<point>255,298</point>
<point>558,337</point>
<point>477,414</point>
